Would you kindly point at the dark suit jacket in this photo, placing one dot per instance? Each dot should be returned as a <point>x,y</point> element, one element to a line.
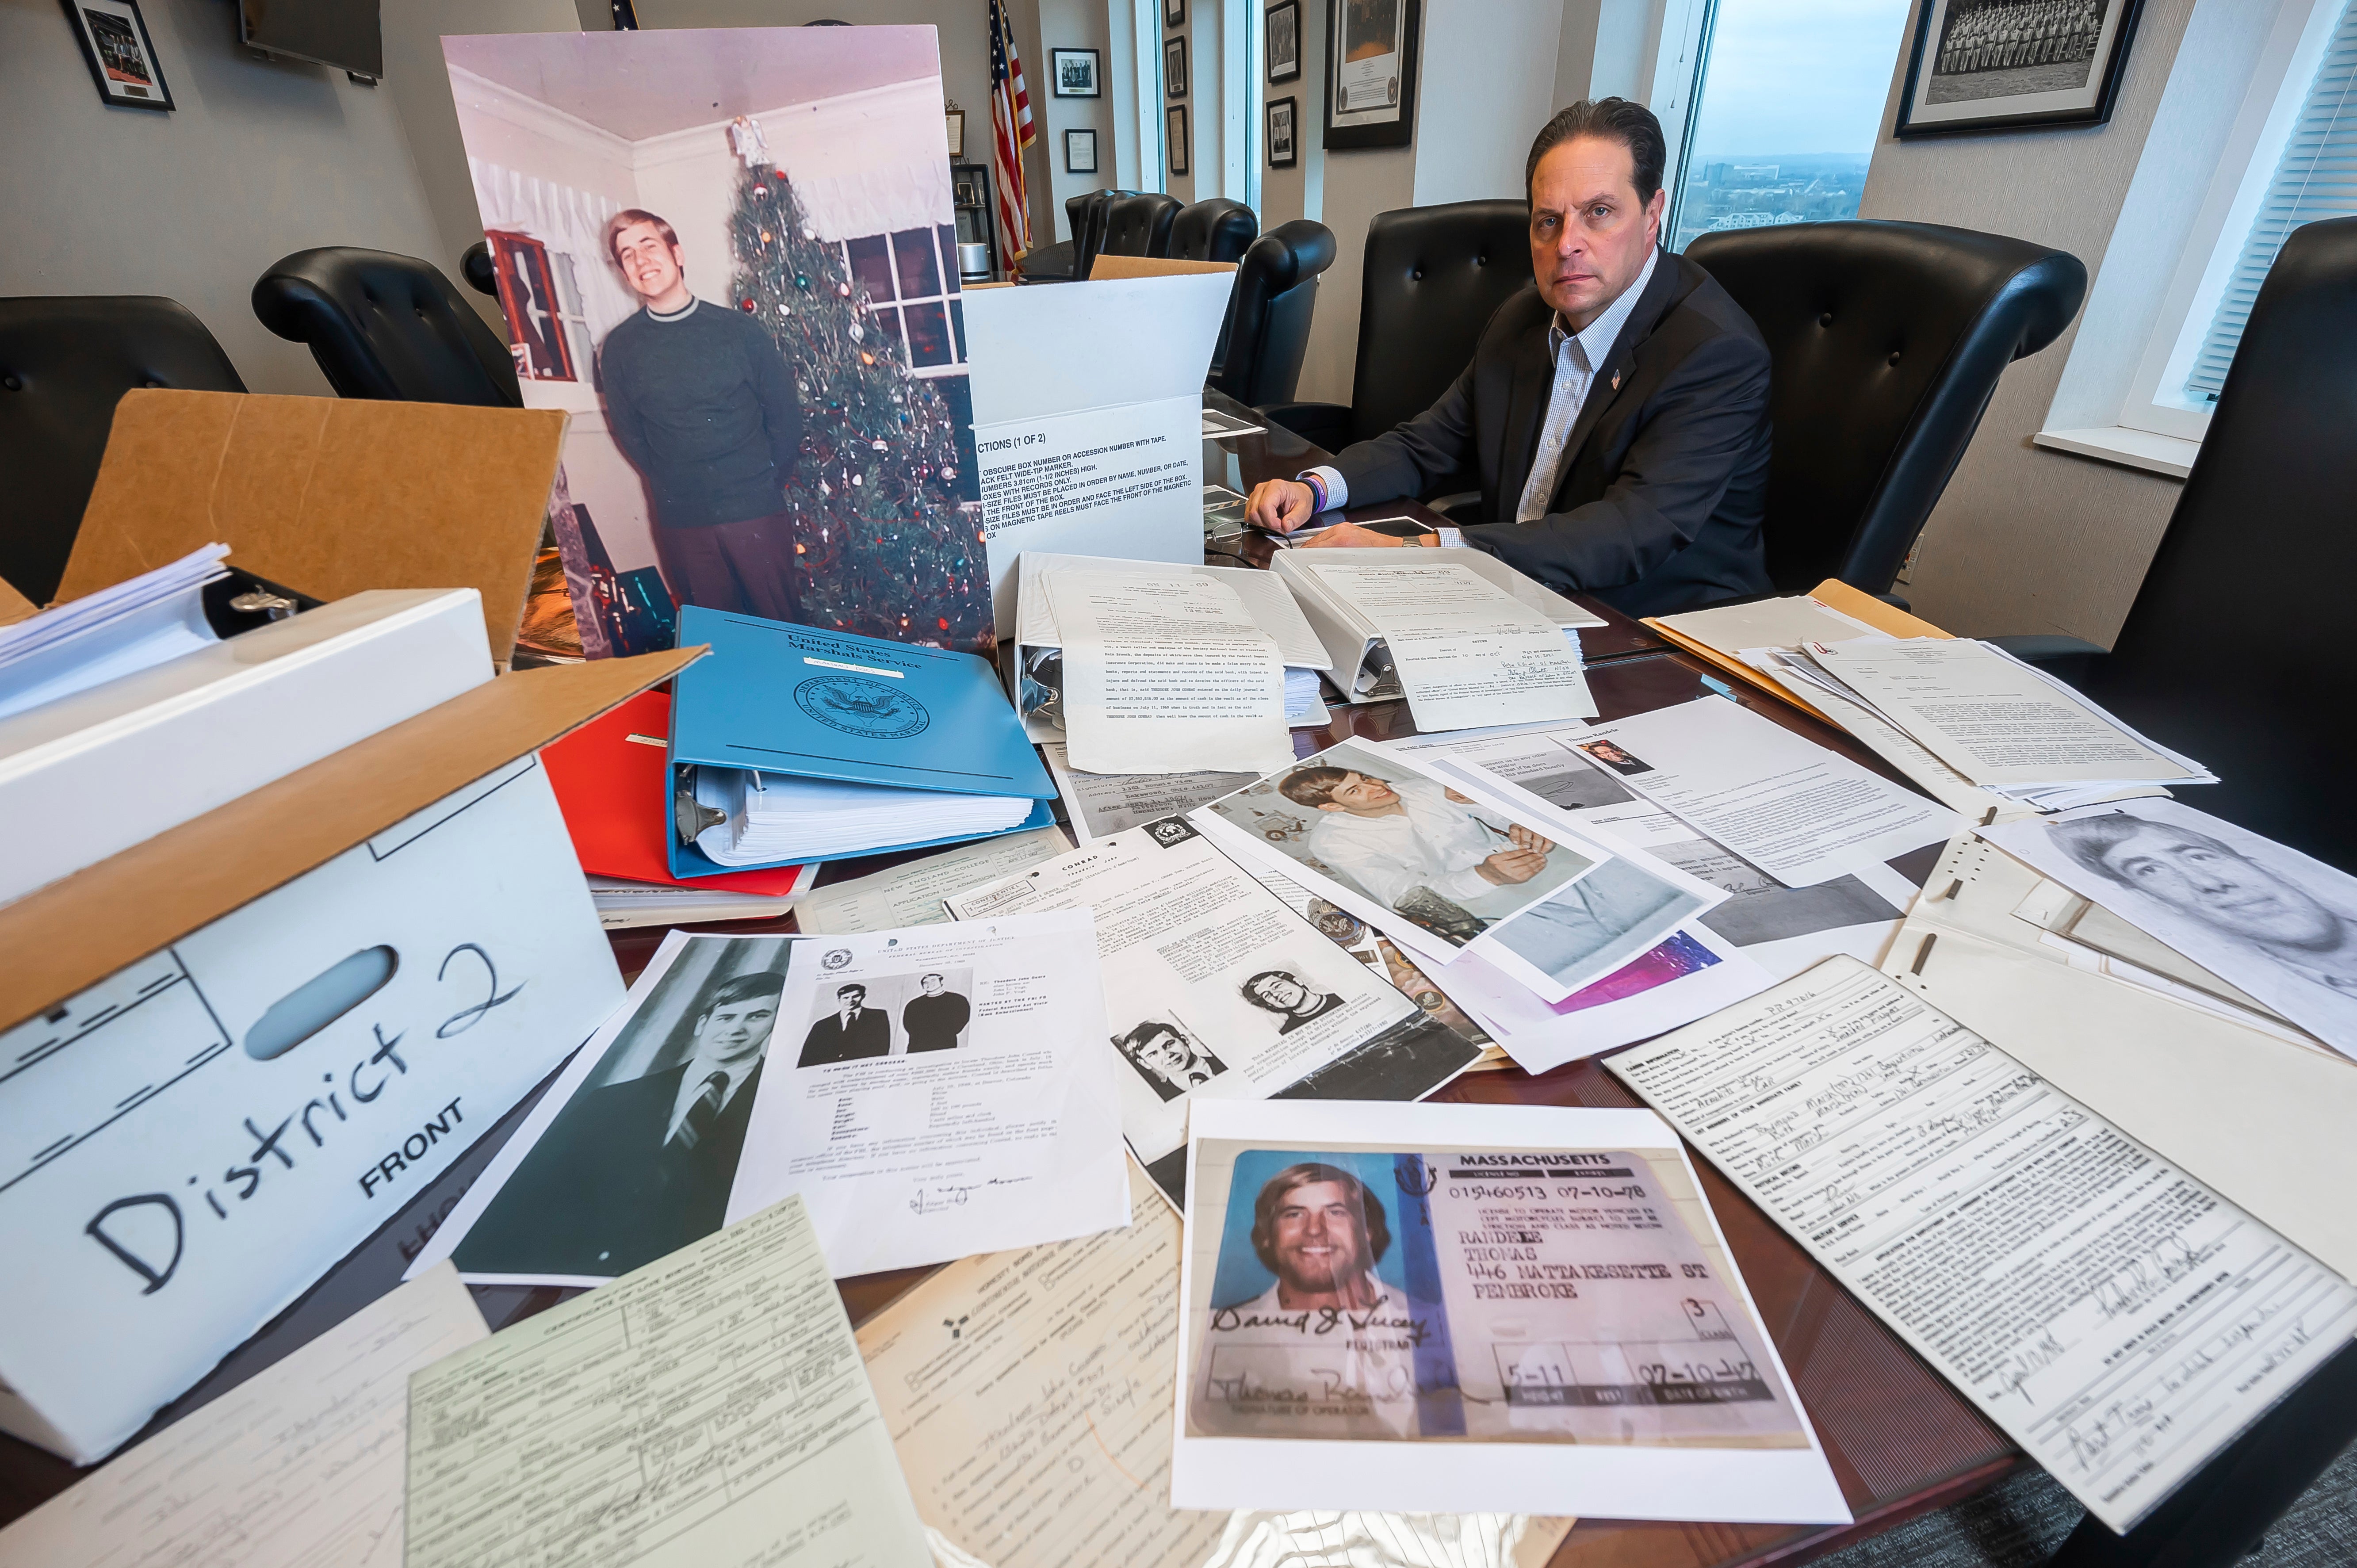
<point>1658,507</point>
<point>870,1034</point>
<point>602,1193</point>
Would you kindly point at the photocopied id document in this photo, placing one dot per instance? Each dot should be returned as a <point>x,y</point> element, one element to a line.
<point>1029,1394</point>
<point>1468,653</point>
<point>1798,812</point>
<point>1165,674</point>
<point>1215,990</point>
<point>948,1092</point>
<point>297,1467</point>
<point>1102,804</point>
<point>708,1410</point>
<point>2119,1319</point>
<point>911,894</point>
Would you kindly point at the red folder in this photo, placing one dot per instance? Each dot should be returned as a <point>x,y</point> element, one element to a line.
<point>612,779</point>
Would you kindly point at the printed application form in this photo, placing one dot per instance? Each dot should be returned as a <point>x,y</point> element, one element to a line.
<point>709,1410</point>
<point>298,1466</point>
<point>1469,653</point>
<point>1102,804</point>
<point>2117,1318</point>
<point>1030,1394</point>
<point>911,893</point>
<point>1165,675</point>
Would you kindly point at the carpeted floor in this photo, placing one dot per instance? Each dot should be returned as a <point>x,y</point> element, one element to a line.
<point>2018,1523</point>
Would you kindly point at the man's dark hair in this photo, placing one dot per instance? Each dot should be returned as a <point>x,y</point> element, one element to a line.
<point>745,987</point>
<point>2090,840</point>
<point>1312,786</point>
<point>942,978</point>
<point>1252,988</point>
<point>1614,120</point>
<point>1133,1044</point>
<point>1273,1191</point>
<point>843,991</point>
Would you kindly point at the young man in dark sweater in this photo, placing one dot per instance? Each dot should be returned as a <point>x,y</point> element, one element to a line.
<point>703,404</point>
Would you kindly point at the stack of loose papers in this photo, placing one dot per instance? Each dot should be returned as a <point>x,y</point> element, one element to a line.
<point>768,818</point>
<point>135,625</point>
<point>2001,724</point>
<point>621,903</point>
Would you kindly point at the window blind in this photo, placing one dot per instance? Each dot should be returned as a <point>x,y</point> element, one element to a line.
<point>2317,179</point>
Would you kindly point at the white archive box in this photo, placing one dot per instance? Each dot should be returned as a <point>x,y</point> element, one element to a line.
<point>94,773</point>
<point>229,1053</point>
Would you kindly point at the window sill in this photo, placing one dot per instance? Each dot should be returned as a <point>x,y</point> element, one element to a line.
<point>2169,456</point>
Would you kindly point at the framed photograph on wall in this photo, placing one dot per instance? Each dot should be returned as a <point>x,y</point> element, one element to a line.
<point>1371,72</point>
<point>1281,114</point>
<point>1079,152</point>
<point>1174,67</point>
<point>1074,73</point>
<point>2000,65</point>
<point>957,131</point>
<point>121,56</point>
<point>1174,13</point>
<point>1174,137</point>
<point>1283,41</point>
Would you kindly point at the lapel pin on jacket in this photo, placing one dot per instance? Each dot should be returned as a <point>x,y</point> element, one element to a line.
<point>1615,381</point>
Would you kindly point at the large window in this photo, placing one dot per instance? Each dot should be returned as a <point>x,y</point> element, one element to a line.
<point>1785,121</point>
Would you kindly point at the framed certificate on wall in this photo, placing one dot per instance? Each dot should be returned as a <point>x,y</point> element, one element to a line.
<point>1371,72</point>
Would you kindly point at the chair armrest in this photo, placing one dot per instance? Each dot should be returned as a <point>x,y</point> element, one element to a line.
<point>2066,659</point>
<point>1326,425</point>
<point>1459,507</point>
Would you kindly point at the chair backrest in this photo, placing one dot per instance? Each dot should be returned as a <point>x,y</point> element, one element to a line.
<point>65,361</point>
<point>1887,342</point>
<point>1088,235</point>
<point>1433,277</point>
<point>1215,229</point>
<point>2236,651</point>
<point>1139,225</point>
<point>386,327</point>
<point>1268,314</point>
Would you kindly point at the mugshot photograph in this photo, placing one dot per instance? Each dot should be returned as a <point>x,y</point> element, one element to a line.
<point>1168,1057</point>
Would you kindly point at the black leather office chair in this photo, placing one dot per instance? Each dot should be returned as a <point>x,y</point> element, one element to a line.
<point>1887,339</point>
<point>2235,649</point>
<point>386,327</point>
<point>1139,225</point>
<point>65,361</point>
<point>1269,313</point>
<point>475,267</point>
<point>1089,227</point>
<point>1215,229</point>
<point>1434,276</point>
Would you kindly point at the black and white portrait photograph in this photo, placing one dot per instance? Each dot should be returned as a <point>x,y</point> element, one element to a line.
<point>1079,152</point>
<point>2260,916</point>
<point>640,1161</point>
<point>1283,41</point>
<point>1984,65</point>
<point>1074,73</point>
<point>1174,137</point>
<point>119,54</point>
<point>1281,112</point>
<point>1168,1056</point>
<point>869,1015</point>
<point>1290,1000</point>
<point>1174,67</point>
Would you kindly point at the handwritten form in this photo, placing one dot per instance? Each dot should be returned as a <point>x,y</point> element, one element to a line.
<point>709,1408</point>
<point>297,1467</point>
<point>2118,1319</point>
<point>1467,652</point>
<point>1030,1396</point>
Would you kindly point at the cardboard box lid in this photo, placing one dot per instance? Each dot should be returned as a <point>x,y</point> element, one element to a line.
<point>1151,267</point>
<point>327,495</point>
<point>75,932</point>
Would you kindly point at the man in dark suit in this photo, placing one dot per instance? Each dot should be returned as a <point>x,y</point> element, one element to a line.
<point>1614,416</point>
<point>630,1171</point>
<point>848,1033</point>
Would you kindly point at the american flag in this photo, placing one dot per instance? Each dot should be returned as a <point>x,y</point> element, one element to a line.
<point>1010,134</point>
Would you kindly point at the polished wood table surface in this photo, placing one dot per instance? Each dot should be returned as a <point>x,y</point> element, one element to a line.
<point>1900,1439</point>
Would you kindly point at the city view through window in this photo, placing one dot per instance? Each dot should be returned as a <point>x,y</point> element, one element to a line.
<point>1792,99</point>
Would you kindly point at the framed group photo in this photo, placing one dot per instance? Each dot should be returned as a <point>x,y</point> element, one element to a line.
<point>1282,41</point>
<point>1997,65</point>
<point>1173,137</point>
<point>1282,114</point>
<point>1079,152</point>
<point>1371,72</point>
<point>1073,73</point>
<point>119,54</point>
<point>1174,67</point>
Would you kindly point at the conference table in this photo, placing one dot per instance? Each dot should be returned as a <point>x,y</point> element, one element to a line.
<point>1900,1440</point>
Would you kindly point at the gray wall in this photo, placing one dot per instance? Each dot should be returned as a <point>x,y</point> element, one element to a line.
<point>2027,540</point>
<point>257,161</point>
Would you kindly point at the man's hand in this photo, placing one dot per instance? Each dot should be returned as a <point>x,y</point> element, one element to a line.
<point>1280,505</point>
<point>1523,838</point>
<point>1509,866</point>
<point>1349,535</point>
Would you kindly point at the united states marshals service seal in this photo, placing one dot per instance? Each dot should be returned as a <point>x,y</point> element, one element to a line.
<point>856,705</point>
